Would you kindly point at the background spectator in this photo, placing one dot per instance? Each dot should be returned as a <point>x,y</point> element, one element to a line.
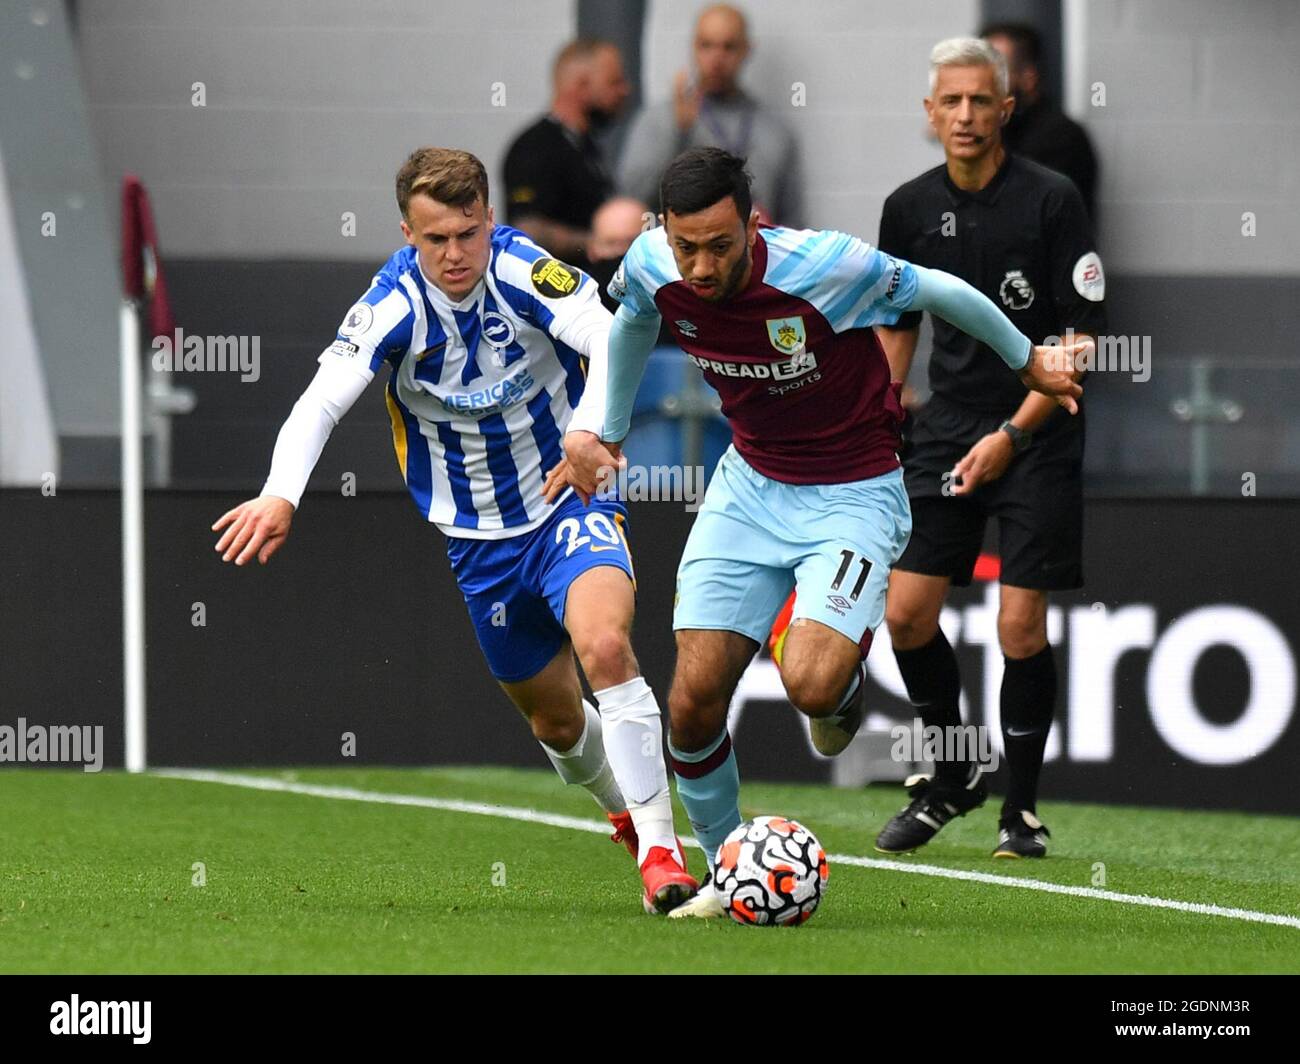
<point>714,111</point>
<point>614,226</point>
<point>1038,129</point>
<point>555,178</point>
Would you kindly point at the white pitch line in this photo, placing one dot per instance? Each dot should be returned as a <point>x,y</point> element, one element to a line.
<point>452,805</point>
<point>556,820</point>
<point>1077,892</point>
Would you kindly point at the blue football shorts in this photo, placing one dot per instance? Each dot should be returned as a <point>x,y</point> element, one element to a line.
<point>516,588</point>
<point>755,539</point>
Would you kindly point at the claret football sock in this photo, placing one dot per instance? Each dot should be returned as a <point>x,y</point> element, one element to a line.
<point>851,691</point>
<point>934,688</point>
<point>634,745</point>
<point>708,783</point>
<point>1028,702</point>
<point>586,766</point>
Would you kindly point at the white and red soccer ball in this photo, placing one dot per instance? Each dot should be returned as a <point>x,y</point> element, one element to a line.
<point>771,870</point>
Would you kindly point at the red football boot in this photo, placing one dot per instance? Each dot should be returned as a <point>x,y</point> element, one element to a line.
<point>667,883</point>
<point>625,832</point>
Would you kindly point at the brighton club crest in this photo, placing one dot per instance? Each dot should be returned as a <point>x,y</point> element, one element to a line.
<point>787,334</point>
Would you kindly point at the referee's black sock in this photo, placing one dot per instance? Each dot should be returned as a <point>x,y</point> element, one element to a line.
<point>1028,702</point>
<point>934,688</point>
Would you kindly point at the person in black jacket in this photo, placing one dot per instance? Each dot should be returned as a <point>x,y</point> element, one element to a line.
<point>1037,129</point>
<point>554,175</point>
<point>983,447</point>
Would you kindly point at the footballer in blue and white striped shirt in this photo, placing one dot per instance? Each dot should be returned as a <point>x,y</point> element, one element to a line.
<point>485,336</point>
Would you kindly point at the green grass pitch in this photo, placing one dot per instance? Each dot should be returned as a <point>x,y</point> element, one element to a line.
<point>97,874</point>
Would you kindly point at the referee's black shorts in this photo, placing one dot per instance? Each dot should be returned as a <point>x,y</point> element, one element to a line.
<point>1038,501</point>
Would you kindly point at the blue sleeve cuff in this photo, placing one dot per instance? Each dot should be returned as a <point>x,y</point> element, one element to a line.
<point>958,303</point>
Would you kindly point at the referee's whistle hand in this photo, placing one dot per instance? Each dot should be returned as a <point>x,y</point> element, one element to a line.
<point>254,529</point>
<point>1051,371</point>
<point>985,461</point>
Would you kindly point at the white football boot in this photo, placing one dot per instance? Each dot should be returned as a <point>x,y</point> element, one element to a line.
<point>704,904</point>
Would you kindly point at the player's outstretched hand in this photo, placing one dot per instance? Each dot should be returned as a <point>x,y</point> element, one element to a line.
<point>986,460</point>
<point>1051,371</point>
<point>558,479</point>
<point>588,463</point>
<point>254,529</point>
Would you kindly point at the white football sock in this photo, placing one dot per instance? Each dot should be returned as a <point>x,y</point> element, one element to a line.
<point>634,743</point>
<point>587,766</point>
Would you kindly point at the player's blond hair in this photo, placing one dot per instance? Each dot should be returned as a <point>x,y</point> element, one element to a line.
<point>969,51</point>
<point>447,175</point>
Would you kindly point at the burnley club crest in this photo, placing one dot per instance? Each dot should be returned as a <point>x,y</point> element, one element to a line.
<point>787,334</point>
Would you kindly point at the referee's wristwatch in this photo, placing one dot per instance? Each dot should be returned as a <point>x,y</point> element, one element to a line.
<point>1020,439</point>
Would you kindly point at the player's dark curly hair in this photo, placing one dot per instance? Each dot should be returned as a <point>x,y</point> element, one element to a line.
<point>700,177</point>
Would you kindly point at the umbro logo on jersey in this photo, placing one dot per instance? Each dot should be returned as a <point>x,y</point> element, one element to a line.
<point>688,328</point>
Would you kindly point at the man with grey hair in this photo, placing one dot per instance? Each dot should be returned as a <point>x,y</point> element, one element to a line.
<point>714,111</point>
<point>983,447</point>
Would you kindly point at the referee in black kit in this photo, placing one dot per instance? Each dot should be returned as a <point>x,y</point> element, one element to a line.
<point>983,447</point>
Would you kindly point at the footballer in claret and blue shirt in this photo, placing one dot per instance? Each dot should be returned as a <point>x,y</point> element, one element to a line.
<point>810,494</point>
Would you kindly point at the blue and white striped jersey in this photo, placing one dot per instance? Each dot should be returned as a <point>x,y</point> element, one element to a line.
<point>481,390</point>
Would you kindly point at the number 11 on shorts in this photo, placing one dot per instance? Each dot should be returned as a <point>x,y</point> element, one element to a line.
<point>847,558</point>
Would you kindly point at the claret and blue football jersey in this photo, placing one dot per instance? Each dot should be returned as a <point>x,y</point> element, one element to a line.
<point>802,378</point>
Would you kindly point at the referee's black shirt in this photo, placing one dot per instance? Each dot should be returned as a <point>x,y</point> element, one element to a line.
<point>1025,241</point>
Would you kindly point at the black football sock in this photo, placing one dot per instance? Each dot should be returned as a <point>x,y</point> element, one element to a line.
<point>934,688</point>
<point>1028,702</point>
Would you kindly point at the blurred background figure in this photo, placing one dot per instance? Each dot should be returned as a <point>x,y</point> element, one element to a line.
<point>1038,128</point>
<point>614,226</point>
<point>616,223</point>
<point>711,109</point>
<point>555,177</point>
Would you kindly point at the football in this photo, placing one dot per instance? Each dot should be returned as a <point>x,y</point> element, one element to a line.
<point>771,870</point>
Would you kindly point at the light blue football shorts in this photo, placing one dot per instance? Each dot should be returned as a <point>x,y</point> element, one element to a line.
<point>754,539</point>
